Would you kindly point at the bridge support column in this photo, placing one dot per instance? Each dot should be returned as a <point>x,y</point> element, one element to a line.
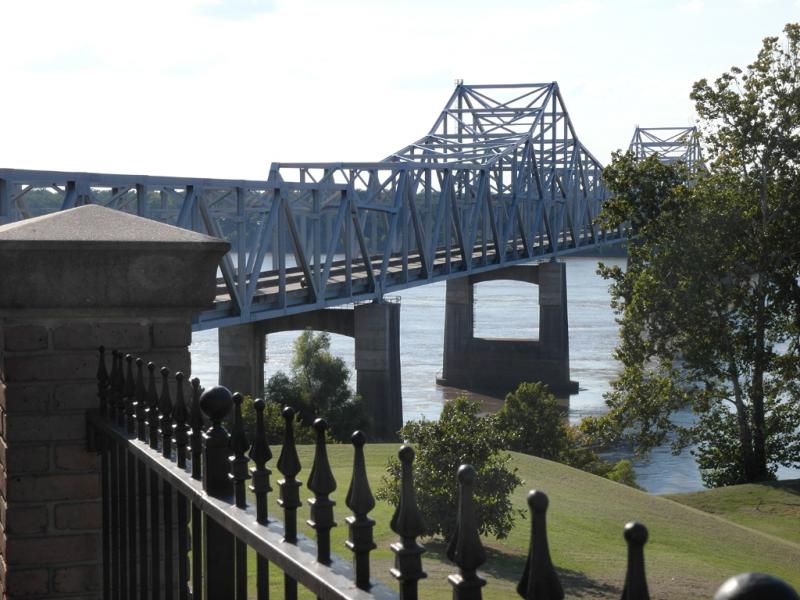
<point>498,366</point>
<point>242,350</point>
<point>377,333</point>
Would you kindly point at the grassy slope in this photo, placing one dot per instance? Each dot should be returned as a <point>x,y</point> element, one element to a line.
<point>773,508</point>
<point>690,553</point>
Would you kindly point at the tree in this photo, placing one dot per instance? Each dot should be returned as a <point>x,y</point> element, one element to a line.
<point>460,436</point>
<point>318,387</point>
<point>532,422</point>
<point>709,301</point>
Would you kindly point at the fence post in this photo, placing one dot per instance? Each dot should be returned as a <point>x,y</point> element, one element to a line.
<point>361,501</point>
<point>70,282</point>
<point>465,548</point>
<point>218,553</point>
<point>407,523</point>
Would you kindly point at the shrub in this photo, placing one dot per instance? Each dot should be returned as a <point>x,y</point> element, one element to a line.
<point>533,422</point>
<point>460,436</point>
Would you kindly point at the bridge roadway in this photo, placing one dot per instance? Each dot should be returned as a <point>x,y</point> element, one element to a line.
<point>401,275</point>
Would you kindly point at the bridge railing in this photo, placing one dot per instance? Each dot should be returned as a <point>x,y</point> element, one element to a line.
<point>178,521</point>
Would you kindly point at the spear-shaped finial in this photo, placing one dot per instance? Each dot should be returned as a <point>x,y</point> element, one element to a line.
<point>540,580</point>
<point>465,548</point>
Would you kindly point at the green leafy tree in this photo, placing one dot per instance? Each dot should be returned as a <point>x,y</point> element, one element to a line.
<point>460,436</point>
<point>709,301</point>
<point>532,422</point>
<point>318,387</point>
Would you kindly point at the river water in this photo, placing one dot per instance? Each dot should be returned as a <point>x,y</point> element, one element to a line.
<point>503,309</point>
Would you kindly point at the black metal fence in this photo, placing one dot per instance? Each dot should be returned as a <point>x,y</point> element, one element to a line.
<point>177,524</point>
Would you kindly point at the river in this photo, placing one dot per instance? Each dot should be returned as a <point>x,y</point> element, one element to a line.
<point>503,309</point>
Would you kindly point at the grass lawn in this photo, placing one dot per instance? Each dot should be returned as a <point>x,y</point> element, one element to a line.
<point>773,507</point>
<point>689,553</point>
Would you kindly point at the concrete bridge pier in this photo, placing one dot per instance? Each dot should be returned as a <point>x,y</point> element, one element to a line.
<point>376,330</point>
<point>242,349</point>
<point>499,365</point>
<point>377,334</point>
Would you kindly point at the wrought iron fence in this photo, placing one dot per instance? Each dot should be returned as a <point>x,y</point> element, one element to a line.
<point>177,523</point>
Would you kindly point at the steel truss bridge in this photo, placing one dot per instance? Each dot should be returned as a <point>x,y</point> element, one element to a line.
<point>668,144</point>
<point>500,179</point>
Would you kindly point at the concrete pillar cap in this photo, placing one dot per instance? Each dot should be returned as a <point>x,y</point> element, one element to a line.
<point>97,257</point>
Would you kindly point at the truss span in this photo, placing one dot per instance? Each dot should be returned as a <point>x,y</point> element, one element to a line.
<point>668,144</point>
<point>500,179</point>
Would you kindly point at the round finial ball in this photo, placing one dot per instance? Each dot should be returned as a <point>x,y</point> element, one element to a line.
<point>129,357</point>
<point>139,362</point>
<point>259,404</point>
<point>466,474</point>
<point>358,439</point>
<point>216,403</point>
<point>101,349</point>
<point>164,372</point>
<point>179,376</point>
<point>151,366</point>
<point>755,586</point>
<point>320,425</point>
<point>288,413</point>
<point>238,399</point>
<point>538,501</point>
<point>406,454</point>
<point>635,533</point>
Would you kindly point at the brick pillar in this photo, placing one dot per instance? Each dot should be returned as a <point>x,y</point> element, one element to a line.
<point>72,281</point>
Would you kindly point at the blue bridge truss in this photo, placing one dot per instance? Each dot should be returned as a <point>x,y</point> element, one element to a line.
<point>500,179</point>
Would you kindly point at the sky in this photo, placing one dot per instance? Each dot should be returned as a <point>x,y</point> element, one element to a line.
<point>223,88</point>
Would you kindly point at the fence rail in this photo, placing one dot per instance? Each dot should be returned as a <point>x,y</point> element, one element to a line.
<point>177,522</point>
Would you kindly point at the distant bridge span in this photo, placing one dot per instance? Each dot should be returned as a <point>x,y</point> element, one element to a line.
<point>500,179</point>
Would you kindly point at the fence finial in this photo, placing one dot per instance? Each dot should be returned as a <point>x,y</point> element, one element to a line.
<point>322,483</point>
<point>289,466</point>
<point>539,580</point>
<point>465,548</point>
<point>141,402</point>
<point>755,586</point>
<point>216,404</point>
<point>407,523</point>
<point>361,501</point>
<point>260,454</point>
<point>180,431</point>
<point>165,408</point>
<point>635,580</point>
<point>102,381</point>
<point>239,471</point>
<point>152,405</point>
<point>196,423</point>
<point>129,389</point>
